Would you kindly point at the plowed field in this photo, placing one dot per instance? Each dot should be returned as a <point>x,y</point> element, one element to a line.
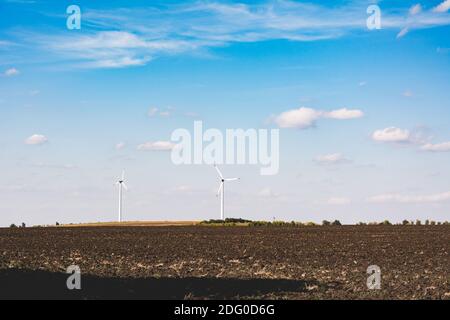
<point>198,262</point>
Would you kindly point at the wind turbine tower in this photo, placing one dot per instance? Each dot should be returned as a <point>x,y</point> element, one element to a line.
<point>221,191</point>
<point>122,185</point>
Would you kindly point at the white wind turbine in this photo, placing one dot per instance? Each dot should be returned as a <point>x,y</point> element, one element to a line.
<point>121,184</point>
<point>222,191</point>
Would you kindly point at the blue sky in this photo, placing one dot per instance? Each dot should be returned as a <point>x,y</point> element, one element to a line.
<point>76,104</point>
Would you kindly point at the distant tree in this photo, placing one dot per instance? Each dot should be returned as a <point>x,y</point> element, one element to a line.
<point>336,223</point>
<point>427,222</point>
<point>13,226</point>
<point>237,220</point>
<point>405,222</point>
<point>418,222</point>
<point>362,224</point>
<point>24,225</point>
<point>386,223</point>
<point>433,223</point>
<point>326,223</point>
<point>57,223</point>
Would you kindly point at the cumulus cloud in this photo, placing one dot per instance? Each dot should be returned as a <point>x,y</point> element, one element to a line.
<point>442,7</point>
<point>387,198</point>
<point>392,135</point>
<point>419,137</point>
<point>300,118</point>
<point>303,117</point>
<point>333,158</point>
<point>11,72</point>
<point>437,147</point>
<point>156,146</point>
<point>36,139</point>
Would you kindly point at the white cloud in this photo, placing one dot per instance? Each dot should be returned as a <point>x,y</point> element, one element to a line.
<point>116,62</point>
<point>153,31</point>
<point>402,32</point>
<point>386,198</point>
<point>338,201</point>
<point>267,192</point>
<point>121,145</point>
<point>152,112</point>
<point>333,158</point>
<point>303,118</point>
<point>156,146</point>
<point>36,139</point>
<point>438,147</point>
<point>344,114</point>
<point>442,7</point>
<point>418,19</point>
<point>414,20</point>
<point>300,118</point>
<point>419,137</point>
<point>416,9</point>
<point>113,49</point>
<point>392,134</point>
<point>11,72</point>
<point>362,83</point>
<point>166,112</point>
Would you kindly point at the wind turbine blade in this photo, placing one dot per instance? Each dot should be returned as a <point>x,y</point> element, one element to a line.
<point>123,175</point>
<point>220,189</point>
<point>124,186</point>
<point>232,179</point>
<point>218,171</point>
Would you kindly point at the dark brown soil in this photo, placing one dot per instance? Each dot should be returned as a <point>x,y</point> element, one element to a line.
<point>227,262</point>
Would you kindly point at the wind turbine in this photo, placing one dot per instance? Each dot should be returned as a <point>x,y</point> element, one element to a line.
<point>221,191</point>
<point>121,184</point>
